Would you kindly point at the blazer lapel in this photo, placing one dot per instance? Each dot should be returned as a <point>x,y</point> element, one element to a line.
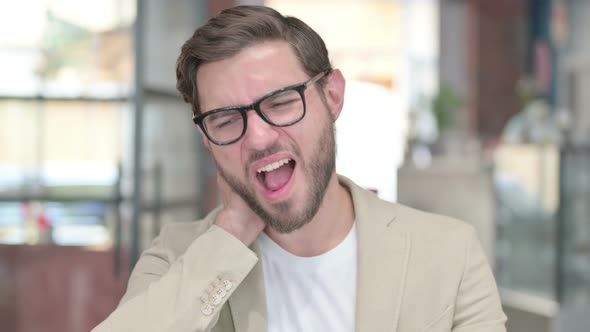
<point>383,254</point>
<point>248,303</point>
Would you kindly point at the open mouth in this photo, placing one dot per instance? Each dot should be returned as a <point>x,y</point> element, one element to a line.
<point>275,176</point>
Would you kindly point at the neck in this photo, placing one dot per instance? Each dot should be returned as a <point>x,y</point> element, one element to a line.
<point>326,230</point>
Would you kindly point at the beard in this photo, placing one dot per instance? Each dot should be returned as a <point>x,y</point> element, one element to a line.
<point>290,215</point>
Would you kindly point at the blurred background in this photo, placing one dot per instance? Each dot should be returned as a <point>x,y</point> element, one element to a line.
<point>471,108</point>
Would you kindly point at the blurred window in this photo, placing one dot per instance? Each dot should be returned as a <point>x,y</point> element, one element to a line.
<point>66,48</point>
<point>67,74</point>
<point>543,194</point>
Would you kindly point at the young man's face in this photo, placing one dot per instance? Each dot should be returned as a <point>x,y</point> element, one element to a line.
<point>289,196</point>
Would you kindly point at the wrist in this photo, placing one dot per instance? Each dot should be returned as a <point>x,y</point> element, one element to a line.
<point>243,230</point>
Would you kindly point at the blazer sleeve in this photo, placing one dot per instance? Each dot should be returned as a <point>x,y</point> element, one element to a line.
<point>478,307</point>
<point>184,294</point>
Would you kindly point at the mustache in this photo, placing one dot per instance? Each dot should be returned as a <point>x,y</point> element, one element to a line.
<point>274,148</point>
<point>257,155</point>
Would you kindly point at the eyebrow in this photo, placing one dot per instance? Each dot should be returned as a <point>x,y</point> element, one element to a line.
<point>219,115</point>
<point>227,108</point>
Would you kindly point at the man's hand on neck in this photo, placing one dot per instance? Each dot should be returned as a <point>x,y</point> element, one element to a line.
<point>236,217</point>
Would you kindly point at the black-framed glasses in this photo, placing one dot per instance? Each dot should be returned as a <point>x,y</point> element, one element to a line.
<point>280,108</point>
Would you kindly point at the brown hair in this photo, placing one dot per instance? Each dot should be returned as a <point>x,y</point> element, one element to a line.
<point>237,28</point>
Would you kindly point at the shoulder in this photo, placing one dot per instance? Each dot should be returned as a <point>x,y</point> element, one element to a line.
<point>369,208</point>
<point>427,225</point>
<point>441,247</point>
<point>447,268</point>
<point>434,236</point>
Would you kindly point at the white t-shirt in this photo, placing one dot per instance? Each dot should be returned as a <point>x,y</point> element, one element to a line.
<point>310,293</point>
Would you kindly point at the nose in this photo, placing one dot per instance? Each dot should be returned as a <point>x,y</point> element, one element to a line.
<point>259,134</point>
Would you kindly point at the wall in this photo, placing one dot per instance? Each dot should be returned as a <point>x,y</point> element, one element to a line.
<point>78,288</point>
<point>497,46</point>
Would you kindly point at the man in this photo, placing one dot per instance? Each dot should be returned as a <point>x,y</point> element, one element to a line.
<point>294,247</point>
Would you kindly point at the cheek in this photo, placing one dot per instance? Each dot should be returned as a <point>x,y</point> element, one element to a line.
<point>227,158</point>
<point>317,121</point>
<point>306,136</point>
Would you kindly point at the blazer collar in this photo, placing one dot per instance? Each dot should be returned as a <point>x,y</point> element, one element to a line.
<point>383,254</point>
<point>248,302</point>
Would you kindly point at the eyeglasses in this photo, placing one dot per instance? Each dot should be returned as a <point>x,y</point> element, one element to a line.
<point>281,108</point>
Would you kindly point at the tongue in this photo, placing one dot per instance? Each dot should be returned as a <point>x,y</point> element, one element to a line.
<point>275,180</point>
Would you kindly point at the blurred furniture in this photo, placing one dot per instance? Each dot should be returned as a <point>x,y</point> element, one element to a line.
<point>459,188</point>
<point>572,319</point>
<point>530,313</point>
<point>526,185</point>
<point>543,196</point>
<point>57,289</point>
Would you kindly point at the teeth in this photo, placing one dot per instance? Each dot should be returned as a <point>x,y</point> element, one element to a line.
<point>273,166</point>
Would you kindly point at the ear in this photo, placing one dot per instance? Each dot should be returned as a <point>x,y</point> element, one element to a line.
<point>334,92</point>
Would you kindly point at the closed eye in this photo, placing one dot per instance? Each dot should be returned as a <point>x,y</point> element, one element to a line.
<point>227,122</point>
<point>284,103</point>
<point>223,119</point>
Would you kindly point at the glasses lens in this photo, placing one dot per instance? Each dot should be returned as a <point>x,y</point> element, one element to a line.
<point>224,126</point>
<point>283,108</point>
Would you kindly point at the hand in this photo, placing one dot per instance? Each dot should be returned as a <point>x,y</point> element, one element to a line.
<point>236,217</point>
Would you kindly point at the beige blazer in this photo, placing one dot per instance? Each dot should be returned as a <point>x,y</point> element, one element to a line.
<point>416,272</point>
